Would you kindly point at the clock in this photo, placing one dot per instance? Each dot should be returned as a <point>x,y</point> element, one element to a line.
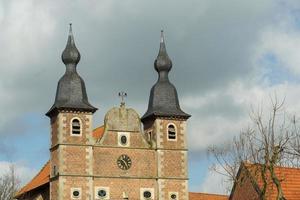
<point>124,162</point>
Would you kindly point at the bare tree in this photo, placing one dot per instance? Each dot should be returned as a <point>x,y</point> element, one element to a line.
<point>268,142</point>
<point>8,184</point>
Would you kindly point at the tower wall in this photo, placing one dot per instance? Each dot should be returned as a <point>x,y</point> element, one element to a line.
<point>172,160</point>
<point>71,160</point>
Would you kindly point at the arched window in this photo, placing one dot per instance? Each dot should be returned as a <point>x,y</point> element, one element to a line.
<point>171,132</point>
<point>76,129</point>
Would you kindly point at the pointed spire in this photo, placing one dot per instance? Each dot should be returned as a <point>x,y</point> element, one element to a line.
<point>71,92</point>
<point>162,62</point>
<point>163,100</point>
<point>71,54</point>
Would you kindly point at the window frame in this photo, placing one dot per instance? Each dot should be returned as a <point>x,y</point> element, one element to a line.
<point>97,188</point>
<point>127,135</point>
<point>80,127</point>
<point>151,190</point>
<point>171,193</point>
<point>73,189</point>
<point>176,133</point>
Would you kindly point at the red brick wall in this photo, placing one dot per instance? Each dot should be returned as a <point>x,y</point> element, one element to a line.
<point>54,161</point>
<point>172,157</point>
<point>86,164</point>
<point>244,189</point>
<point>69,154</point>
<point>54,189</point>
<point>130,186</point>
<point>76,182</point>
<point>143,162</point>
<point>54,131</point>
<point>173,164</point>
<point>180,142</point>
<point>85,126</point>
<point>137,140</point>
<point>179,186</point>
<point>75,160</point>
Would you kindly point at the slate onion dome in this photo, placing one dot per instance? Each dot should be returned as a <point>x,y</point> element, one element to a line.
<point>163,100</point>
<point>71,92</point>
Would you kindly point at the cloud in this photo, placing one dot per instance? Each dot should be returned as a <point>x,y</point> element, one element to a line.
<point>225,56</point>
<point>23,173</point>
<point>215,183</point>
<point>118,42</point>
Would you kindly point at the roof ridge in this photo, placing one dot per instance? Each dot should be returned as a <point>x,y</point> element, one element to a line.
<point>210,194</point>
<point>247,164</point>
<point>98,127</point>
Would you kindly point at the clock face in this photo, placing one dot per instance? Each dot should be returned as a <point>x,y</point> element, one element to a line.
<point>124,162</point>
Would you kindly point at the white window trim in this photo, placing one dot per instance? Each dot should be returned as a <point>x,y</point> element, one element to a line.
<point>120,134</point>
<point>176,132</point>
<point>176,193</point>
<point>97,188</point>
<point>75,189</point>
<point>71,127</point>
<point>142,190</point>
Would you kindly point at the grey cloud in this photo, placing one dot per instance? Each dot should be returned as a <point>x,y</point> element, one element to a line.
<point>208,41</point>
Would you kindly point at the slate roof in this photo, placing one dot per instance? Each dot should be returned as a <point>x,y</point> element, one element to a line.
<point>71,92</point>
<point>163,100</point>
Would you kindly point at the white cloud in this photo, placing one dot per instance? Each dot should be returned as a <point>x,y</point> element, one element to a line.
<point>215,183</point>
<point>223,114</point>
<point>285,46</point>
<point>22,172</point>
<point>215,47</point>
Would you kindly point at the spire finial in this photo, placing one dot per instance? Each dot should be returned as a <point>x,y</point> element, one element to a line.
<point>71,54</point>
<point>70,29</point>
<point>162,39</point>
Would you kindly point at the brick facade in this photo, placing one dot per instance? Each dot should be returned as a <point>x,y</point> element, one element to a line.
<point>244,187</point>
<point>84,163</point>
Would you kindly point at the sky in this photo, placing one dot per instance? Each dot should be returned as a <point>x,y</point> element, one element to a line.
<point>228,56</point>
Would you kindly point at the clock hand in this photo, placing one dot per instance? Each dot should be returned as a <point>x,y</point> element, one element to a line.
<point>126,165</point>
<point>123,162</point>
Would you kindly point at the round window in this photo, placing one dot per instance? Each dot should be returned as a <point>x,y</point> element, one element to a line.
<point>76,193</point>
<point>123,139</point>
<point>102,193</point>
<point>147,194</point>
<point>173,196</point>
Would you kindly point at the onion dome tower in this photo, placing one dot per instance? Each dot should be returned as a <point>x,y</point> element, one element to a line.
<point>163,101</point>
<point>71,93</point>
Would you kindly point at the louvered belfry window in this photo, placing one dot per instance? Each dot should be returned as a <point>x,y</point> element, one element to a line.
<point>75,127</point>
<point>171,132</point>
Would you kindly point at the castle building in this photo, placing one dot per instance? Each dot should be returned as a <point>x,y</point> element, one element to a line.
<point>128,157</point>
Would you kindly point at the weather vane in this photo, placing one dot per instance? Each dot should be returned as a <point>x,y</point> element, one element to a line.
<point>122,95</point>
